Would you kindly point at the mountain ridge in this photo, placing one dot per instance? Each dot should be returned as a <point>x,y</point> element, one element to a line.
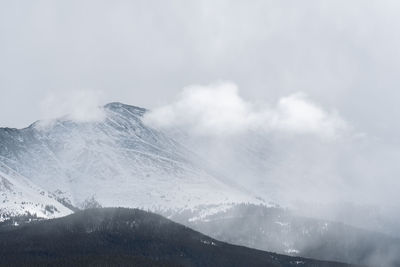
<point>78,161</point>
<point>128,234</point>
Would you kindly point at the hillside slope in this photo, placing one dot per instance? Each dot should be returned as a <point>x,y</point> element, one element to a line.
<point>127,236</point>
<point>279,230</point>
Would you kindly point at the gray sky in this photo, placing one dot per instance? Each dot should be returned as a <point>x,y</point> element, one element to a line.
<point>343,54</point>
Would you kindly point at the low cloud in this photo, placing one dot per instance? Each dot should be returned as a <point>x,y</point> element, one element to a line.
<point>77,105</point>
<point>292,151</point>
<point>218,109</point>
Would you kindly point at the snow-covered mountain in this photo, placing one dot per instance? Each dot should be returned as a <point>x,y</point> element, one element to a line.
<point>51,168</point>
<point>117,161</point>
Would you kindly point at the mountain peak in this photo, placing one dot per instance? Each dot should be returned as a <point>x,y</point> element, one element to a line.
<point>118,106</point>
<point>117,161</point>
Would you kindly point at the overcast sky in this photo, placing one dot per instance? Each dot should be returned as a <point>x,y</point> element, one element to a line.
<point>344,55</point>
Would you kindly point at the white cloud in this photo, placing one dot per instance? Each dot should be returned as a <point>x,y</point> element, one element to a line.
<point>77,105</point>
<point>218,109</point>
<point>297,114</point>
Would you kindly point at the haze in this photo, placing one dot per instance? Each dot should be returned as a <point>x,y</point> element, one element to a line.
<point>335,63</point>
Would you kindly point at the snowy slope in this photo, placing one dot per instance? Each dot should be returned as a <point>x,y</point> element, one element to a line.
<point>116,162</point>
<point>18,196</point>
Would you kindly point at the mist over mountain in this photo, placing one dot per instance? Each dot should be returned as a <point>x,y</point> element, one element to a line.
<point>266,124</point>
<point>283,231</point>
<point>117,161</point>
<point>55,167</point>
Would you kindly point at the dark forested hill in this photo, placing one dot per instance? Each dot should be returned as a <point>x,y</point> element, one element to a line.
<point>116,236</point>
